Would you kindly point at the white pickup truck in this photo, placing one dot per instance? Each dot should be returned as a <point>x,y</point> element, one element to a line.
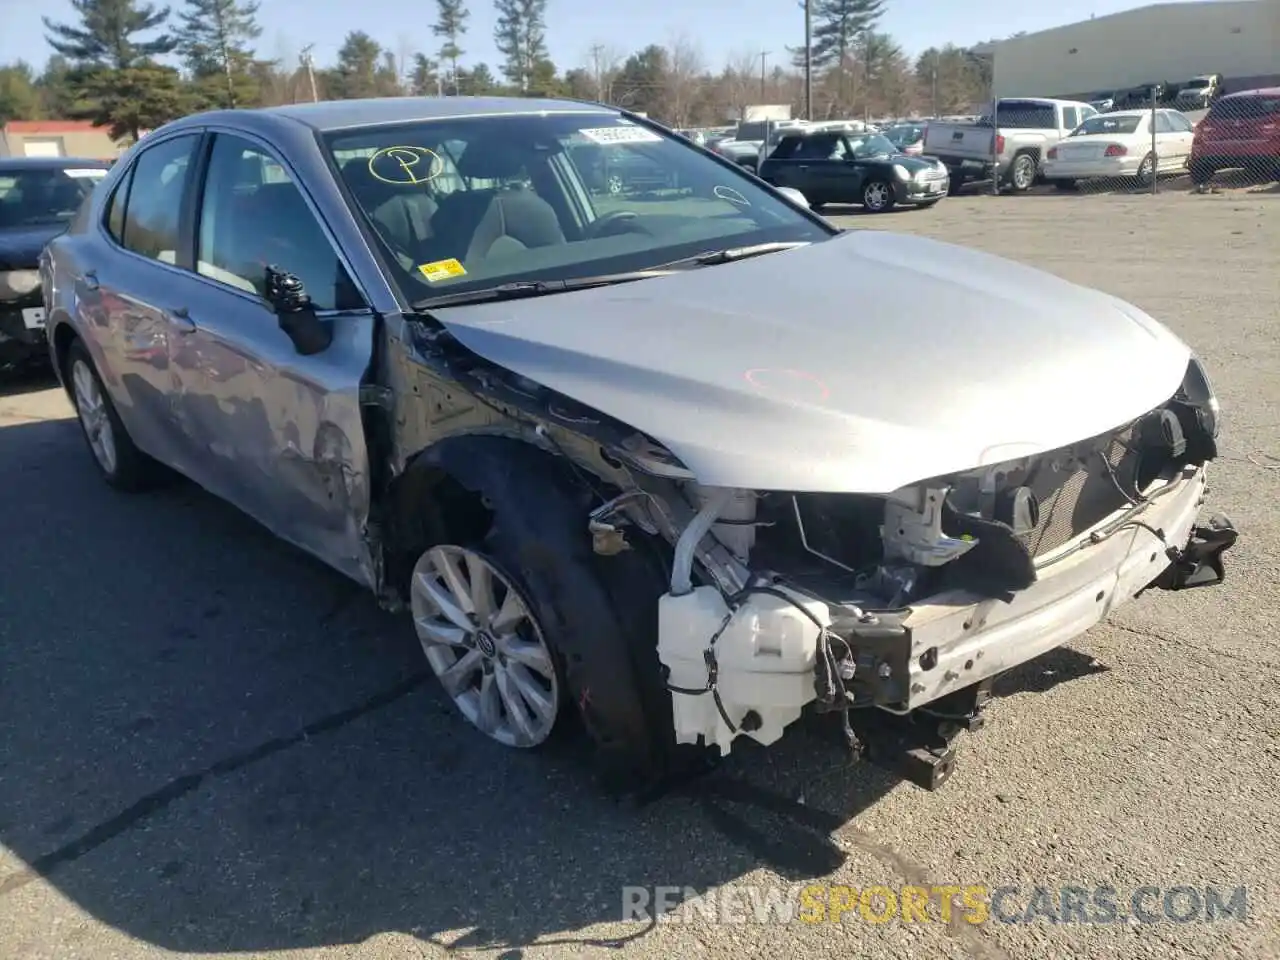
<point>1023,130</point>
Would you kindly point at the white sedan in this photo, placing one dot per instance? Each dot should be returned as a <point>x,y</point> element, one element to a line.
<point>1121,145</point>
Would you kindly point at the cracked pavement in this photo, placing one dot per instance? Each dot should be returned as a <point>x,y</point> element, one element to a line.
<point>210,743</point>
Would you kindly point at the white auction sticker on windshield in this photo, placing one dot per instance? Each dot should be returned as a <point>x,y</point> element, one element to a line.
<point>86,174</point>
<point>610,135</point>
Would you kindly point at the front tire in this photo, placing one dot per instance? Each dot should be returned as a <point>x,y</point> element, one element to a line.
<point>878,196</point>
<point>595,616</point>
<point>120,462</point>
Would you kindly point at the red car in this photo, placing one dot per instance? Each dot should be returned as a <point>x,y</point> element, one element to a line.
<point>1240,130</point>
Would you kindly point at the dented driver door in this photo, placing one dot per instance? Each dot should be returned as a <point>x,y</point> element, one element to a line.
<point>275,432</point>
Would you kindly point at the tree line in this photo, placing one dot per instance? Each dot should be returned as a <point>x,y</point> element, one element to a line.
<point>130,65</point>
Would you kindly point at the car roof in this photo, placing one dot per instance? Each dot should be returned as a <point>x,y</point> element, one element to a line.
<point>1260,92</point>
<point>330,115</point>
<point>52,163</point>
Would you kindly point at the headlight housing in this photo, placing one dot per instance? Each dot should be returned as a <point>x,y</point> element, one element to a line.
<point>18,283</point>
<point>901,172</point>
<point>1198,390</point>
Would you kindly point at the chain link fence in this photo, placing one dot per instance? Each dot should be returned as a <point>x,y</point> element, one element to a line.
<point>1146,140</point>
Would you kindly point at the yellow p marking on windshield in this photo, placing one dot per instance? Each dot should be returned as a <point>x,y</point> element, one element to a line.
<point>405,165</point>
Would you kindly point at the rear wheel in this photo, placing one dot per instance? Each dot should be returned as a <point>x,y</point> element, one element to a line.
<point>877,196</point>
<point>1201,173</point>
<point>120,462</point>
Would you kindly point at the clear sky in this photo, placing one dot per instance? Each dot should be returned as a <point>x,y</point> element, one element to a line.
<point>723,29</point>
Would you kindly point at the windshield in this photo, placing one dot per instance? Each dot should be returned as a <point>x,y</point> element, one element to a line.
<point>45,195</point>
<point>871,145</point>
<point>1107,123</point>
<point>469,203</point>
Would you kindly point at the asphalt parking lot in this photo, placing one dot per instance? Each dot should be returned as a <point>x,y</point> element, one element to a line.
<point>211,744</point>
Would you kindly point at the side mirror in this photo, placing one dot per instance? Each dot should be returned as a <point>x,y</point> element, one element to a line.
<point>297,315</point>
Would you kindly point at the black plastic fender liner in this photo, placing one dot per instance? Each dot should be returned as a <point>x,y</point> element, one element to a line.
<point>598,613</point>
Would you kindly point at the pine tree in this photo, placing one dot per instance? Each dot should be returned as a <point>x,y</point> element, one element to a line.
<point>107,33</point>
<point>521,37</point>
<point>424,79</point>
<point>450,26</point>
<point>838,28</point>
<point>113,77</point>
<point>214,39</point>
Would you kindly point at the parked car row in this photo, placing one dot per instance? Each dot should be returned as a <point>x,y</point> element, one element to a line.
<point>1197,93</point>
<point>1030,140</point>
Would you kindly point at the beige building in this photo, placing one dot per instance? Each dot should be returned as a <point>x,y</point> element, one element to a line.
<point>57,138</point>
<point>1165,42</point>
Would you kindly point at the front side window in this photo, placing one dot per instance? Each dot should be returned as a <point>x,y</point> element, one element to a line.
<point>151,217</point>
<point>40,196</point>
<point>865,146</point>
<point>468,203</point>
<point>252,215</point>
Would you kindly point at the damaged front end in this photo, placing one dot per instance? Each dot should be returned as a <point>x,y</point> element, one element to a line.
<point>897,611</point>
<point>894,610</point>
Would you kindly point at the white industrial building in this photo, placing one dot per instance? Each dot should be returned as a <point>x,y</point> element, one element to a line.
<point>1164,42</point>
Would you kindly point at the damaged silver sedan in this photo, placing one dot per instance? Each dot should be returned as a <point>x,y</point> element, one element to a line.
<point>633,435</point>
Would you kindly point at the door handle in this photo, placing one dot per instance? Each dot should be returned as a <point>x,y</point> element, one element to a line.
<point>805,167</point>
<point>181,320</point>
<point>90,279</point>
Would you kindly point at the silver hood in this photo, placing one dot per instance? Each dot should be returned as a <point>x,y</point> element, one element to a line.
<point>860,364</point>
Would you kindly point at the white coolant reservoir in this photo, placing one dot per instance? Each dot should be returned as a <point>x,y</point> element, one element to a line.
<point>765,658</point>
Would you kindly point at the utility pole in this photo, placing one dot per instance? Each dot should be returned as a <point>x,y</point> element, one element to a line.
<point>597,52</point>
<point>808,59</point>
<point>308,62</point>
<point>764,55</point>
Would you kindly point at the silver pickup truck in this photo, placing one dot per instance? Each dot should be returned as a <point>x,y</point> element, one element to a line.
<point>1023,130</point>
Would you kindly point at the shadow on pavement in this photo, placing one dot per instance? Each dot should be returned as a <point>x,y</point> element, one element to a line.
<point>213,743</point>
<point>26,379</point>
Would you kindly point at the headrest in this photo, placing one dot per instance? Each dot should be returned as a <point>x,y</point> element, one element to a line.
<point>492,159</point>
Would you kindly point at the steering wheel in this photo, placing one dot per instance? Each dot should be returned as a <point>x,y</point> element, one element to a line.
<point>626,220</point>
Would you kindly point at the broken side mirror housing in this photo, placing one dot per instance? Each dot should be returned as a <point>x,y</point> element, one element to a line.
<point>297,315</point>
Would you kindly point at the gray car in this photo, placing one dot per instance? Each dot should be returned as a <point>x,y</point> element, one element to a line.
<point>679,465</point>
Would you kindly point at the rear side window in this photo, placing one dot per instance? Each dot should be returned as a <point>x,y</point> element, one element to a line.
<point>786,148</point>
<point>827,147</point>
<point>116,207</point>
<point>1026,115</point>
<point>1245,108</point>
<point>154,205</point>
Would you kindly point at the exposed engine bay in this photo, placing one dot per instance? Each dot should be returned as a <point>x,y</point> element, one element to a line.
<point>838,582</point>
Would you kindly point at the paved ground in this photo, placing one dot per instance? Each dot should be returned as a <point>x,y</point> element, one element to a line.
<point>209,743</point>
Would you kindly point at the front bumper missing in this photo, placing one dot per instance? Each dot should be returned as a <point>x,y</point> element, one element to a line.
<point>751,669</point>
<point>957,639</point>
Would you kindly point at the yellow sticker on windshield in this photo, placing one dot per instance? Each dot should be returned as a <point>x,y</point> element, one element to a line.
<point>442,270</point>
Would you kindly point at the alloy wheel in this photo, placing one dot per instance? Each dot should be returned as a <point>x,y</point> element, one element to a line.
<point>876,196</point>
<point>1024,172</point>
<point>91,408</point>
<point>485,645</point>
